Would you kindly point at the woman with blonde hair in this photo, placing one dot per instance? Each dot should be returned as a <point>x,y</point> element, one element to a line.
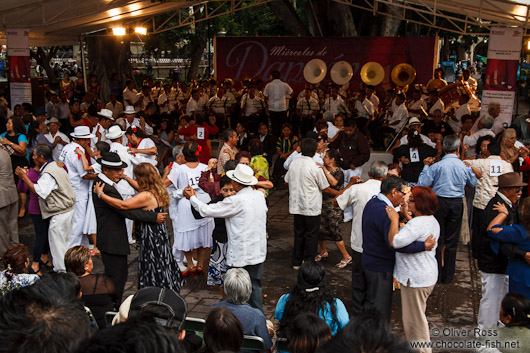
<point>156,265</point>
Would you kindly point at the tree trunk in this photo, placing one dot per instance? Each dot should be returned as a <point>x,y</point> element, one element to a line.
<point>197,47</point>
<point>390,25</point>
<point>340,20</point>
<point>43,58</point>
<point>286,14</point>
<point>108,55</point>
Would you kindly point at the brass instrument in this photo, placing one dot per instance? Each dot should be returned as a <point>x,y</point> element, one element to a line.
<point>341,73</point>
<point>403,75</point>
<point>315,70</point>
<point>372,73</point>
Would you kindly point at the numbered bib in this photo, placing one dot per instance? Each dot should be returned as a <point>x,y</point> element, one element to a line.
<point>414,155</point>
<point>194,182</point>
<point>495,168</point>
<point>200,133</point>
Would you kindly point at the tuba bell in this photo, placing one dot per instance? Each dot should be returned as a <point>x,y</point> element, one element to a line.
<point>341,73</point>
<point>315,70</point>
<point>372,73</point>
<point>403,74</point>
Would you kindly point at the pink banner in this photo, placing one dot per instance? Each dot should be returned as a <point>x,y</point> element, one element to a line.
<point>257,57</point>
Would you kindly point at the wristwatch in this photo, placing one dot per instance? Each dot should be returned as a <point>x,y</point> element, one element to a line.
<point>99,194</point>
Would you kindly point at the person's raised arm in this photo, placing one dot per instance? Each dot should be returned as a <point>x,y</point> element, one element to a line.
<point>138,201</point>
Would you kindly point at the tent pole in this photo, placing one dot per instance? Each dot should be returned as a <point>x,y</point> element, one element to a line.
<point>84,62</point>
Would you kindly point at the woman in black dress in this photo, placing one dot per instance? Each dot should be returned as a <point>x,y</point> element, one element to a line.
<point>156,265</point>
<point>332,216</point>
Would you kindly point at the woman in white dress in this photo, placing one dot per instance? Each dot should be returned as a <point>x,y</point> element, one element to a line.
<point>190,233</point>
<point>141,144</point>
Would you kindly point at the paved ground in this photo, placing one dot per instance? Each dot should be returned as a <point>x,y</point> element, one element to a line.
<point>454,305</point>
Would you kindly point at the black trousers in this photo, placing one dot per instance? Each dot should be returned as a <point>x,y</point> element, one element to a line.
<point>476,231</point>
<point>379,292</point>
<point>306,125</point>
<point>277,120</point>
<point>306,230</point>
<point>449,216</point>
<point>358,283</point>
<point>116,269</point>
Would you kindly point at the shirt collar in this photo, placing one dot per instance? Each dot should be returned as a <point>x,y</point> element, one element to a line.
<point>450,155</point>
<point>385,199</point>
<point>504,198</point>
<point>105,179</point>
<point>44,166</point>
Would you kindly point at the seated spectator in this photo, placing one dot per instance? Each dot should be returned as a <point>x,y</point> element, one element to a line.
<point>238,288</point>
<point>16,261</point>
<point>367,332</point>
<point>98,291</point>
<point>310,294</point>
<point>308,333</point>
<point>168,309</point>
<point>222,332</point>
<point>138,335</point>
<point>45,317</point>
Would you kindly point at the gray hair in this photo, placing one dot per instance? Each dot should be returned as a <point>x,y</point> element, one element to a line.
<point>237,286</point>
<point>507,132</point>
<point>487,121</point>
<point>451,143</point>
<point>378,170</point>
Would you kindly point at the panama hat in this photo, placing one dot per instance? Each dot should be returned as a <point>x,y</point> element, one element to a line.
<point>115,132</point>
<point>111,160</point>
<point>129,110</point>
<point>82,132</point>
<point>414,121</point>
<point>243,174</point>
<point>53,120</point>
<point>106,113</point>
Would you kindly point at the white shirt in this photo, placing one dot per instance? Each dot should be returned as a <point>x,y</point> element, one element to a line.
<point>332,105</point>
<point>130,95</point>
<point>375,101</point>
<point>131,160</point>
<point>405,139</point>
<point>401,114</point>
<point>245,215</point>
<point>415,105</point>
<point>251,105</point>
<point>194,106</point>
<point>277,92</point>
<point>102,131</point>
<point>497,127</point>
<point>317,158</point>
<point>358,196</point>
<point>76,172</point>
<point>306,182</point>
<point>117,110</point>
<point>45,185</point>
<point>145,144</point>
<point>438,105</point>
<point>365,109</point>
<point>484,190</point>
<point>332,130</point>
<point>472,139</point>
<point>56,152</point>
<point>64,110</point>
<point>460,112</point>
<point>420,268</point>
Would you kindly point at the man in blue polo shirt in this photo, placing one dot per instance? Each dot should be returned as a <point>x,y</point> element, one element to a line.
<point>378,256</point>
<point>448,179</point>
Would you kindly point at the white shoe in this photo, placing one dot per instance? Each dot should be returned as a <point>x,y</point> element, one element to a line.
<point>132,242</point>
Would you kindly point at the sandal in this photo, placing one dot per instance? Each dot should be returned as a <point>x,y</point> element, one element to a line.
<point>48,264</point>
<point>321,257</point>
<point>200,270</point>
<point>191,270</point>
<point>343,263</point>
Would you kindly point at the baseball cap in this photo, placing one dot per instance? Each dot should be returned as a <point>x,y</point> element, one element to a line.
<point>165,305</point>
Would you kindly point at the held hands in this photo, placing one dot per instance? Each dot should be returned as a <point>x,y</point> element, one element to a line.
<point>429,161</point>
<point>404,160</point>
<point>161,217</point>
<point>188,192</point>
<point>430,242</point>
<point>98,187</point>
<point>212,164</point>
<point>20,172</point>
<point>499,207</point>
<point>392,214</point>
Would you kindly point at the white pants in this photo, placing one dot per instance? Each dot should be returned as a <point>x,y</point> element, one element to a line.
<point>129,225</point>
<point>348,173</point>
<point>494,288</point>
<point>59,233</point>
<point>80,209</point>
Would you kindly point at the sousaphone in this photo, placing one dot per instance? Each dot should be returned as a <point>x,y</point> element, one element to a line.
<point>403,74</point>
<point>315,71</point>
<point>341,73</point>
<point>372,73</point>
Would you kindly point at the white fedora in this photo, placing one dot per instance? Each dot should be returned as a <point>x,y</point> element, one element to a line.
<point>106,113</point>
<point>82,132</point>
<point>129,110</point>
<point>243,174</point>
<point>115,132</point>
<point>414,121</point>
